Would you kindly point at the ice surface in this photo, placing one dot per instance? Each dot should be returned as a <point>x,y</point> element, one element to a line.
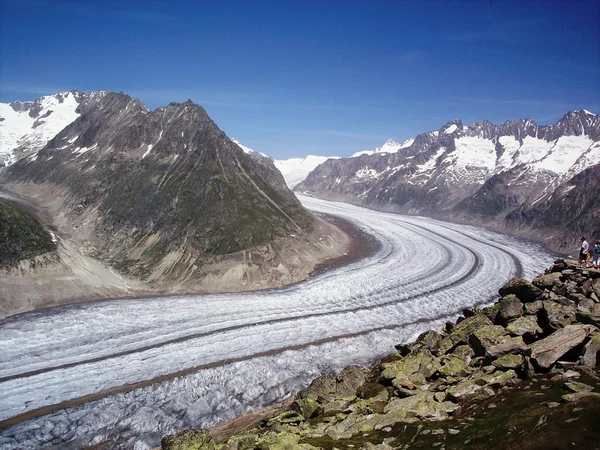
<point>243,350</point>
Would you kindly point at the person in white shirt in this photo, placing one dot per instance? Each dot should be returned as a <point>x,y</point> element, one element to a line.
<point>584,251</point>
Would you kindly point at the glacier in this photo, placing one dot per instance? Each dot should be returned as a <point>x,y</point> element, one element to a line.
<point>130,371</point>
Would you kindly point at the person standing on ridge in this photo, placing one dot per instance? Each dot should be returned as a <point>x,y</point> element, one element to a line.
<point>583,251</point>
<point>596,254</point>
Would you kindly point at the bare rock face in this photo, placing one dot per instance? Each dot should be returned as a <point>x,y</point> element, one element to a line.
<point>547,351</point>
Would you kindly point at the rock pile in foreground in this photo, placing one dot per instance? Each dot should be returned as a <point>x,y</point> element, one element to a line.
<point>523,372</point>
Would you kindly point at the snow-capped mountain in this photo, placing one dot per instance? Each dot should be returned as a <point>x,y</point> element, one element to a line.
<point>294,170</point>
<point>26,127</point>
<point>390,146</point>
<point>480,172</point>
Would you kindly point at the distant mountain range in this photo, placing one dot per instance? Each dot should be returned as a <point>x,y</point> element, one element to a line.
<point>520,177</point>
<point>517,177</point>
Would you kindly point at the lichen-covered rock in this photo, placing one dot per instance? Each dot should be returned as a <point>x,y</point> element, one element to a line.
<point>575,386</point>
<point>509,361</point>
<point>282,440</point>
<point>533,308</point>
<point>307,407</point>
<point>431,340</point>
<point>498,378</point>
<point>510,308</point>
<point>556,316</point>
<point>547,281</point>
<point>548,350</point>
<point>188,440</point>
<point>423,363</point>
<point>524,326</point>
<point>469,390</point>
<point>591,352</point>
<point>491,311</point>
<point>591,318</point>
<point>461,332</point>
<point>423,406</point>
<point>523,289</point>
<point>453,366</point>
<point>485,337</point>
<point>335,386</point>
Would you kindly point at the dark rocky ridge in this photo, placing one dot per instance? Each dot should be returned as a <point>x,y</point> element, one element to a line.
<point>157,191</point>
<point>523,372</point>
<point>425,178</point>
<point>21,236</point>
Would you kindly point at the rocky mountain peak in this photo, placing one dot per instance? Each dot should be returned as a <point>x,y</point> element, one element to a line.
<point>168,179</point>
<point>18,106</point>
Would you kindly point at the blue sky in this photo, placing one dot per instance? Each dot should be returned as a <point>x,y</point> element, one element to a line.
<point>291,78</point>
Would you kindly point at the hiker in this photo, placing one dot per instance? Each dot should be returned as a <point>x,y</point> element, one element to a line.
<point>596,254</point>
<point>583,251</point>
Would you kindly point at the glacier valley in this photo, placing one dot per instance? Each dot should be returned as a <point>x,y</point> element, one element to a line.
<point>130,371</point>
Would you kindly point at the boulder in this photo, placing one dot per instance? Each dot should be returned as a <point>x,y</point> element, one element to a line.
<point>509,361</point>
<point>575,386</point>
<point>469,390</point>
<point>591,318</point>
<point>461,332</point>
<point>431,340</point>
<point>510,308</point>
<point>491,311</point>
<point>335,386</point>
<point>307,407</point>
<point>422,406</point>
<point>453,366</point>
<point>523,289</point>
<point>409,365</point>
<point>586,304</point>
<point>547,351</point>
<point>547,281</point>
<point>591,352</point>
<point>498,379</point>
<point>524,326</point>
<point>485,337</point>
<point>576,396</point>
<point>507,345</point>
<point>188,440</point>
<point>533,308</point>
<point>556,316</point>
<point>281,440</point>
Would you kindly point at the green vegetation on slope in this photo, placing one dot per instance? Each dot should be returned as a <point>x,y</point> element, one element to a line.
<point>21,236</point>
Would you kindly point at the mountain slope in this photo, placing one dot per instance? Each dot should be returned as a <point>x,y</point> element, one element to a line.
<point>480,173</point>
<point>155,193</point>
<point>21,235</point>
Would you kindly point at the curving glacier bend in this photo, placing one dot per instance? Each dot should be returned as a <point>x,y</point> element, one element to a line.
<point>130,371</point>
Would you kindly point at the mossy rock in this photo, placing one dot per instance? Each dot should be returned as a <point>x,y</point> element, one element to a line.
<point>189,440</point>
<point>523,289</point>
<point>461,332</point>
